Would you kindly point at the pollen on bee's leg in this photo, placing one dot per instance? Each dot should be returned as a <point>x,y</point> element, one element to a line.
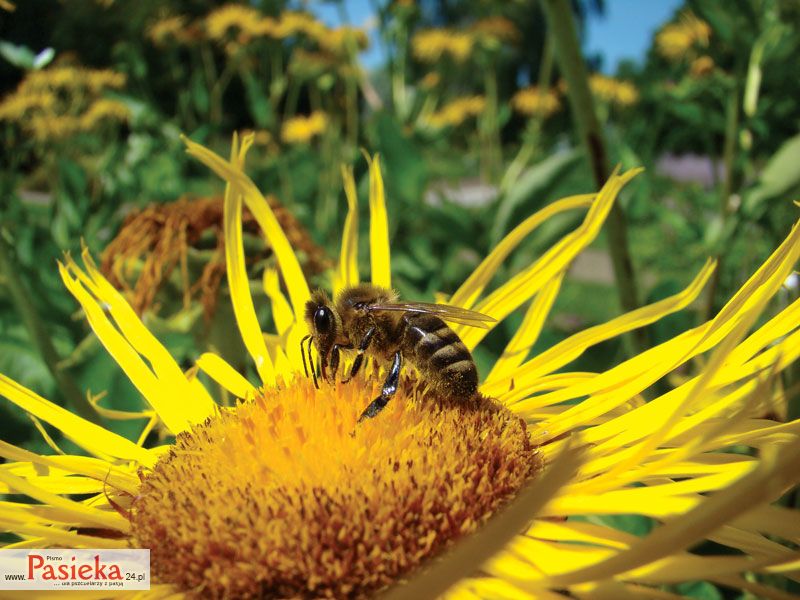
<point>287,496</point>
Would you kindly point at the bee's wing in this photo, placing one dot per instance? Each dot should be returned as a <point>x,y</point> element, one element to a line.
<point>452,314</point>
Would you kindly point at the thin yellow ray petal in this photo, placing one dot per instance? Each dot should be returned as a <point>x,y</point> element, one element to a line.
<point>634,501</point>
<point>115,476</point>
<point>73,484</point>
<point>618,590</point>
<point>522,286</point>
<point>92,437</point>
<point>229,378</point>
<point>34,542</point>
<point>347,275</point>
<point>498,589</point>
<point>529,559</point>
<point>570,349</point>
<point>117,415</point>
<point>579,531</point>
<point>79,511</point>
<point>525,337</point>
<point>242,301</point>
<point>776,473</point>
<point>162,398</point>
<point>53,536</point>
<point>634,375</point>
<point>45,514</point>
<point>776,521</point>
<point>378,227</point>
<point>676,569</point>
<point>752,544</point>
<point>467,295</point>
<point>287,260</point>
<point>281,310</point>
<point>166,369</point>
<point>148,427</point>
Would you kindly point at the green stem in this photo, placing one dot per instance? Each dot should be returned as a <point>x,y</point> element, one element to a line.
<point>20,296</point>
<point>732,116</point>
<point>571,63</point>
<point>531,138</point>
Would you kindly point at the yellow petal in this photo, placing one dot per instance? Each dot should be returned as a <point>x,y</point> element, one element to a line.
<point>145,343</point>
<point>528,332</point>
<point>243,309</point>
<point>467,295</point>
<point>568,350</point>
<point>378,227</point>
<point>258,205</point>
<point>281,310</point>
<point>348,257</point>
<point>59,537</point>
<point>78,511</point>
<point>522,286</point>
<point>90,436</point>
<point>775,475</point>
<point>225,375</point>
<point>166,390</point>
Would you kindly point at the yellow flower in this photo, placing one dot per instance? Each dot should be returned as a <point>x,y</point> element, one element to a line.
<point>302,129</point>
<point>56,103</point>
<point>285,495</point>
<point>431,45</point>
<point>495,30</point>
<point>609,89</point>
<point>531,102</point>
<point>171,29</point>
<point>238,21</point>
<point>676,39</point>
<point>456,112</point>
<point>701,66</point>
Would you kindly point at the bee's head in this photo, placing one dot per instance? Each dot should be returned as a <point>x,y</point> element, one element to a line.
<point>323,322</point>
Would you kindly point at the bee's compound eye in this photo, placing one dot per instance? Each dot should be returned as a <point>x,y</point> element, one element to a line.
<point>323,320</point>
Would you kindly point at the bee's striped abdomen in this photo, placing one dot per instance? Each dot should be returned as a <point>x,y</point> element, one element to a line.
<point>439,354</point>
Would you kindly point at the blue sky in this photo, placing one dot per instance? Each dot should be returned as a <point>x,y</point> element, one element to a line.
<point>624,32</point>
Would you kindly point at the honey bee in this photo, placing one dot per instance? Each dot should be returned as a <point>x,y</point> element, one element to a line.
<point>370,320</point>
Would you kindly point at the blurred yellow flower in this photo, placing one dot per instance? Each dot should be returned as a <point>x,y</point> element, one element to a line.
<point>701,66</point>
<point>172,29</point>
<point>495,30</point>
<point>302,129</point>
<point>532,103</point>
<point>456,112</point>
<point>430,81</point>
<point>609,89</point>
<point>60,101</point>
<point>285,495</point>
<point>343,40</point>
<point>9,6</point>
<point>233,22</point>
<point>676,39</point>
<point>431,45</point>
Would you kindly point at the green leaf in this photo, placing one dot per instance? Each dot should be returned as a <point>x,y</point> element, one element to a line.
<point>257,100</point>
<point>779,176</point>
<point>702,590</point>
<point>19,56</point>
<point>530,191</point>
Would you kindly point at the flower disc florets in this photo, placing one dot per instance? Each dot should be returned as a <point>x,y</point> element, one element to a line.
<point>286,496</point>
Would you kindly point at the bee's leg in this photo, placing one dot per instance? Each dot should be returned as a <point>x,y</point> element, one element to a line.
<point>303,353</point>
<point>362,347</point>
<point>388,390</point>
<point>335,357</point>
<point>311,363</point>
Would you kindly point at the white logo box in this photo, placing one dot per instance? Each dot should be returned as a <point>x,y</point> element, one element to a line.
<point>64,569</point>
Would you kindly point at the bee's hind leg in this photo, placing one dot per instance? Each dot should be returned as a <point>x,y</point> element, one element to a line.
<point>388,390</point>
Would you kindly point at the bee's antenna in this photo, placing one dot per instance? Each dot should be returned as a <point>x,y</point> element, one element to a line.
<point>303,353</point>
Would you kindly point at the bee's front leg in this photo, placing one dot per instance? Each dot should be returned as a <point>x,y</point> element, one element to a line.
<point>335,358</point>
<point>362,347</point>
<point>389,389</point>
